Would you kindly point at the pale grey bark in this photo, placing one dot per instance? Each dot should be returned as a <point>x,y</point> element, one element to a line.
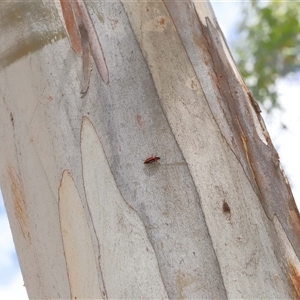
<point>214,218</point>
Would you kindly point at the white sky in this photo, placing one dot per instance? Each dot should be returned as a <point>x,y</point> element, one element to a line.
<point>11,281</point>
<point>287,143</point>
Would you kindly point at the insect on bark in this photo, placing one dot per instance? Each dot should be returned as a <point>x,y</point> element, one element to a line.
<point>151,159</point>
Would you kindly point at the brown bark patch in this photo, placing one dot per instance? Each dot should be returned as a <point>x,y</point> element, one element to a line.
<point>139,120</point>
<point>113,23</point>
<point>295,278</point>
<point>183,284</point>
<point>71,26</point>
<point>226,208</point>
<point>294,220</point>
<point>19,204</point>
<point>161,21</point>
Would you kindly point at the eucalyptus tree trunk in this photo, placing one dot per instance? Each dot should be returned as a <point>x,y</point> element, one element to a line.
<point>88,92</point>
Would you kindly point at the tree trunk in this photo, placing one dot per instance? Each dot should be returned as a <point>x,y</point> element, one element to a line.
<point>214,218</point>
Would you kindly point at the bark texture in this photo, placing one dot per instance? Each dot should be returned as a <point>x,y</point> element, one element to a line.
<point>213,219</point>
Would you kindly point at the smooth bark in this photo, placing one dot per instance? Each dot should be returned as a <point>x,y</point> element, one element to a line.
<point>213,219</point>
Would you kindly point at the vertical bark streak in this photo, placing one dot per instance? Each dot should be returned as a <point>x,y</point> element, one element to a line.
<point>86,59</point>
<point>71,26</point>
<point>94,41</point>
<point>84,40</point>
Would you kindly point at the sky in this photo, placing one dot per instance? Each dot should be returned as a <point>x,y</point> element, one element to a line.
<point>11,281</point>
<point>287,143</point>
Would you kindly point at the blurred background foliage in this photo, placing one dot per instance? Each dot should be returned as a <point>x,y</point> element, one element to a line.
<point>268,47</point>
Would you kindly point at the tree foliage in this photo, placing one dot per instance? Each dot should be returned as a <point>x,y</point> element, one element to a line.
<point>268,47</point>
